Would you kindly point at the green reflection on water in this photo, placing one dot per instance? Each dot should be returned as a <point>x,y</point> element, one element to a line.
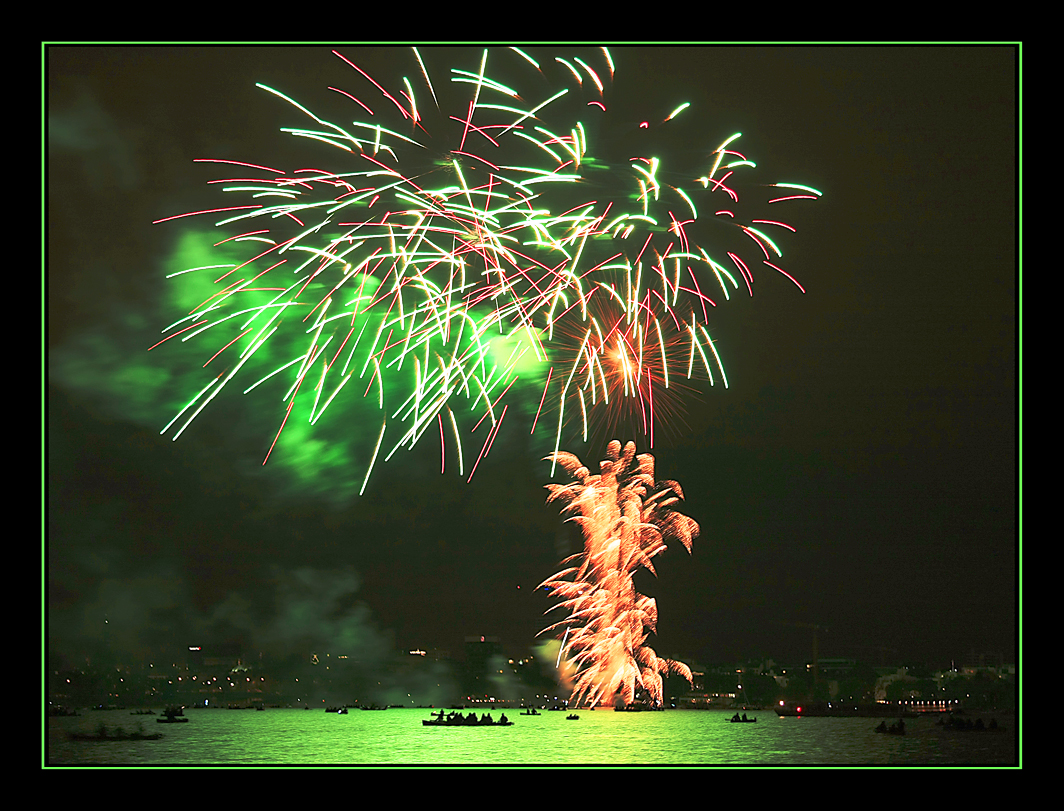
<point>396,736</point>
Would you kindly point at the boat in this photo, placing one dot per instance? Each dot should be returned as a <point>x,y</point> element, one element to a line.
<point>735,719</point>
<point>458,720</point>
<point>897,728</point>
<point>573,717</point>
<point>172,715</point>
<point>532,711</point>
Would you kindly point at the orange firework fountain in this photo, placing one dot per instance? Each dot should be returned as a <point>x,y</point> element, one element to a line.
<point>626,517</point>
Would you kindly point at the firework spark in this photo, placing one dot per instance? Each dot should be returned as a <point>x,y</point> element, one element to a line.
<point>626,518</point>
<point>441,261</point>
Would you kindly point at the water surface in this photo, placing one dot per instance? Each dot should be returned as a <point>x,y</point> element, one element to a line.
<point>397,737</point>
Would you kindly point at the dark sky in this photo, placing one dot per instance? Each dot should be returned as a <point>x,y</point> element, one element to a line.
<point>859,473</point>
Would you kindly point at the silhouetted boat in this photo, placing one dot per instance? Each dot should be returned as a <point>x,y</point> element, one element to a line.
<point>172,715</point>
<point>897,728</point>
<point>459,720</point>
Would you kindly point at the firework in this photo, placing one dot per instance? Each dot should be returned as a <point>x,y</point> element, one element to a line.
<point>454,256</point>
<point>626,518</point>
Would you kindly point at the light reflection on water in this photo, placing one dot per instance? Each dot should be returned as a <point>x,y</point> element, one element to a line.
<point>396,736</point>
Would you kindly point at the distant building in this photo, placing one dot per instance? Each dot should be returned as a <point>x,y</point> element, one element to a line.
<point>479,651</point>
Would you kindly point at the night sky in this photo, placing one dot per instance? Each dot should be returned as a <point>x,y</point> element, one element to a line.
<point>859,473</point>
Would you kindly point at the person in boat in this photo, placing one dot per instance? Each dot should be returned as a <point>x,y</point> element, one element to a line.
<point>744,716</point>
<point>502,720</point>
<point>736,717</point>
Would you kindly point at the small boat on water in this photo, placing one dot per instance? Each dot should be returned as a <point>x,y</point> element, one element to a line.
<point>456,719</point>
<point>897,728</point>
<point>737,719</point>
<point>573,717</point>
<point>532,711</point>
<point>172,715</point>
